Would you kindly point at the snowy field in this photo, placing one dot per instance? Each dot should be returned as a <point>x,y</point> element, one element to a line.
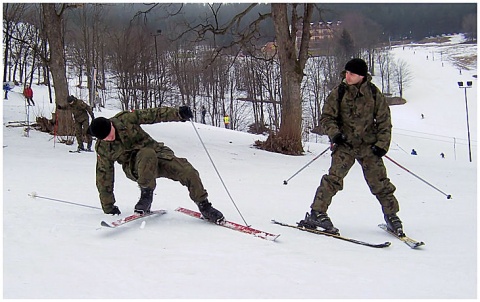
<point>58,250</point>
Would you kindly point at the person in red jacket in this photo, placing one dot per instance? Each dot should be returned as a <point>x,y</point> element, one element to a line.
<point>28,93</point>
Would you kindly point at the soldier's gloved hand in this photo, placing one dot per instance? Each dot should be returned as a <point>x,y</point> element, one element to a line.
<point>185,112</point>
<point>59,107</point>
<point>114,211</point>
<point>378,151</point>
<point>339,139</point>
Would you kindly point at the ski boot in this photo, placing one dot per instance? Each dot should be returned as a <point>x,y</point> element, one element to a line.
<point>316,219</point>
<point>210,213</point>
<point>81,148</point>
<point>145,202</point>
<point>394,224</point>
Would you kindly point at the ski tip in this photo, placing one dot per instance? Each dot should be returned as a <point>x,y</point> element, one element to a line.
<point>105,224</point>
<point>273,238</point>
<point>418,244</point>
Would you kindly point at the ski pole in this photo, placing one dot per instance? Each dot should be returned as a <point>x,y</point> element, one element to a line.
<point>448,195</point>
<point>34,195</point>
<point>285,182</point>
<point>216,170</point>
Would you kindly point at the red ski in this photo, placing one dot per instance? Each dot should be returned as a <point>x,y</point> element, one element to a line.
<point>233,226</point>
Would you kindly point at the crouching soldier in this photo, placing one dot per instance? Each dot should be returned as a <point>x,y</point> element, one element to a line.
<point>143,159</point>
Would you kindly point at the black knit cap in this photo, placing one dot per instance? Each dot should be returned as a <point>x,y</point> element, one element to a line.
<point>100,127</point>
<point>70,98</point>
<point>357,66</point>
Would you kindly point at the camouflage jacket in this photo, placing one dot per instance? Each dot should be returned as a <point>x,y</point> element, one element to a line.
<point>363,120</point>
<point>79,109</point>
<point>129,139</point>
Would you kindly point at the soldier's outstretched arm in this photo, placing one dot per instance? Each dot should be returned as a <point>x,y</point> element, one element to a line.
<point>154,115</point>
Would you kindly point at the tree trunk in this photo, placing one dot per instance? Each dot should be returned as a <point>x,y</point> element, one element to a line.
<point>53,23</point>
<point>292,63</point>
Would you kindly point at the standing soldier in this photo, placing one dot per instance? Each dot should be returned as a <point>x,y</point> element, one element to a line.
<point>359,126</point>
<point>28,94</point>
<point>80,109</point>
<point>121,139</point>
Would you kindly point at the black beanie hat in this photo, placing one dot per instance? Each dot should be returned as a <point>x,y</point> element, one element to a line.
<point>357,66</point>
<point>100,127</point>
<point>70,98</point>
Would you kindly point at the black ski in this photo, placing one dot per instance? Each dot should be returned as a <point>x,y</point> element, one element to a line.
<point>79,151</point>
<point>315,231</point>
<point>407,240</point>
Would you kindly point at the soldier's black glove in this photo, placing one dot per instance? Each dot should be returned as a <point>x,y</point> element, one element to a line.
<point>59,107</point>
<point>339,139</point>
<point>185,112</point>
<point>115,211</point>
<point>378,151</point>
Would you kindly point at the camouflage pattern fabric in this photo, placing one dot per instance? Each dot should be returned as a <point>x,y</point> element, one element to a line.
<point>365,122</point>
<point>362,119</point>
<point>81,132</point>
<point>80,111</point>
<point>142,158</point>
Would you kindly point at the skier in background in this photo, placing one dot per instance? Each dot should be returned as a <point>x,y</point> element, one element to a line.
<point>204,112</point>
<point>28,94</point>
<point>226,121</point>
<point>80,109</point>
<point>6,88</point>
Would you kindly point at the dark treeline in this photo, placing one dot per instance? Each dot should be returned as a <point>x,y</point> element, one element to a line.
<point>408,20</point>
<point>398,20</point>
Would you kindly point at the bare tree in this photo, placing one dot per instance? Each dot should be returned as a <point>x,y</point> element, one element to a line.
<point>133,66</point>
<point>292,57</point>
<point>384,63</point>
<point>315,89</point>
<point>292,63</point>
<point>365,34</point>
<point>54,29</point>
<point>12,14</point>
<point>402,75</point>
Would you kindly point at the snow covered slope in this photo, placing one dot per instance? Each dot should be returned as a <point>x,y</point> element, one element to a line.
<point>57,250</point>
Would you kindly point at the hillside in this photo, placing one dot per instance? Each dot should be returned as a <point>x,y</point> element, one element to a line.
<point>54,250</point>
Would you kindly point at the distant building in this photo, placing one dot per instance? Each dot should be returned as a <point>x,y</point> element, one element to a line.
<point>320,32</point>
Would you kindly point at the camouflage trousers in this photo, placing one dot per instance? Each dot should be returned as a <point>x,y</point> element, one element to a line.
<point>81,133</point>
<point>150,165</point>
<point>374,172</point>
